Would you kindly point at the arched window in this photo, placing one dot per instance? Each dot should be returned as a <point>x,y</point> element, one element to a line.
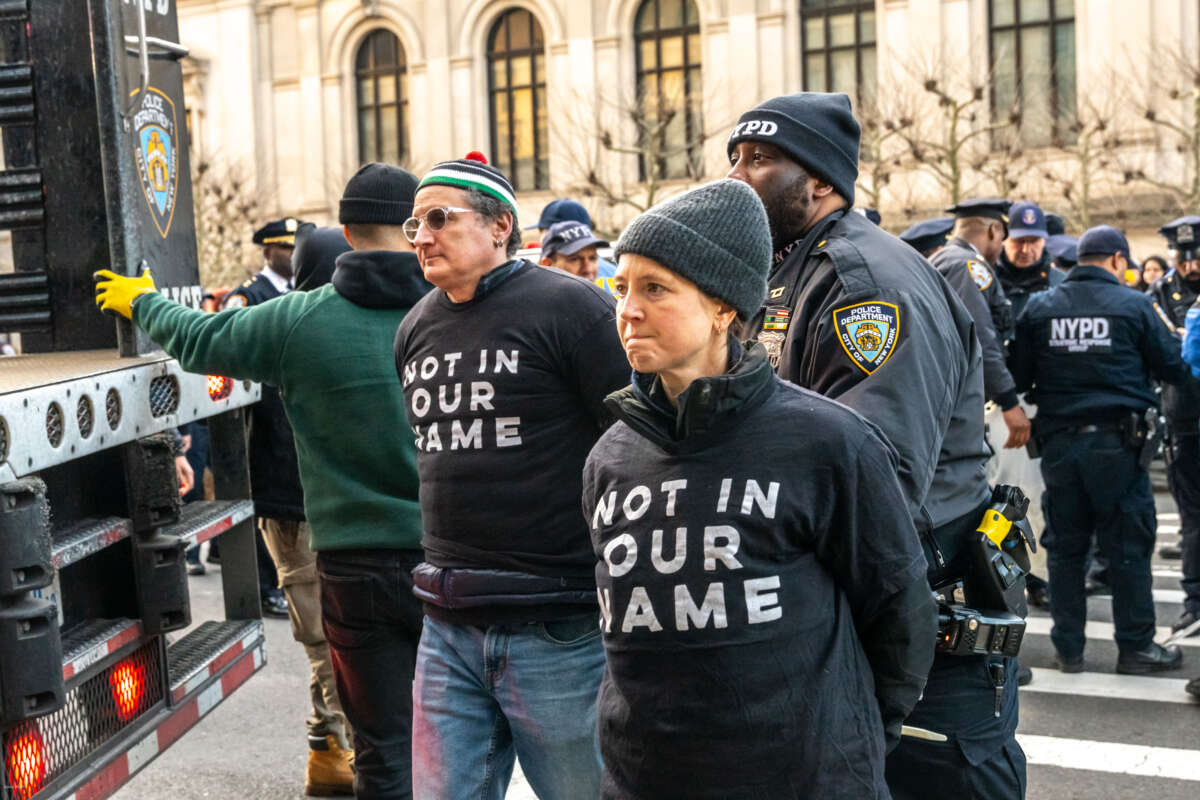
<point>667,33</point>
<point>381,77</point>
<point>517,86</point>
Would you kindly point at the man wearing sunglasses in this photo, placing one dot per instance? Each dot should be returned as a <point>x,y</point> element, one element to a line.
<point>329,352</point>
<point>505,367</point>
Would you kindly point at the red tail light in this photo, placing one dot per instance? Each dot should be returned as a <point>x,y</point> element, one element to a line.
<point>128,682</point>
<point>26,762</point>
<point>219,387</point>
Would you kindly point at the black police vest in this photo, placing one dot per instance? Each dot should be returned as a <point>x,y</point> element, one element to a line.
<point>1181,404</point>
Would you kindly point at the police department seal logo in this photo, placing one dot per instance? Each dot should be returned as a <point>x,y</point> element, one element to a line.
<point>980,274</point>
<point>1029,216</point>
<point>868,333</point>
<point>156,148</point>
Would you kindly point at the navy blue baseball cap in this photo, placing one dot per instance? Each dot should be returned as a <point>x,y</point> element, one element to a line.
<point>1026,219</point>
<point>1183,235</point>
<point>1102,240</point>
<point>569,238</point>
<point>560,211</point>
<point>928,234</point>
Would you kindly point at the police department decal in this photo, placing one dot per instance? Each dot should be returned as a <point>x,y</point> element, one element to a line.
<point>156,148</point>
<point>980,274</point>
<point>868,332</point>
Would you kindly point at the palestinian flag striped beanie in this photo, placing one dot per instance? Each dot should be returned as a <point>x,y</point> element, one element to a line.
<point>472,172</point>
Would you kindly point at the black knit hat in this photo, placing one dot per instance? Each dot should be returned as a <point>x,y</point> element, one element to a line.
<point>815,129</point>
<point>715,235</point>
<point>378,194</point>
<point>316,250</point>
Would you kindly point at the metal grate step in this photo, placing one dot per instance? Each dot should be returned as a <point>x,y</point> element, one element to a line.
<point>93,641</point>
<point>201,521</point>
<point>204,651</point>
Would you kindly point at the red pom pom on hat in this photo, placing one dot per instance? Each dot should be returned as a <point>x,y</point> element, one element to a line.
<point>475,155</point>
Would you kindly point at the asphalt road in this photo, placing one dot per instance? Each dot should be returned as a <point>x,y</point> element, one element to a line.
<point>1094,736</point>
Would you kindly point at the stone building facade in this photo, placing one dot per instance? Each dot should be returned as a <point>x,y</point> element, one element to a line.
<point>300,92</point>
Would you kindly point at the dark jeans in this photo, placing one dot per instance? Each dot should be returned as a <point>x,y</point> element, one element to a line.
<point>1183,476</point>
<point>1094,486</point>
<point>373,624</point>
<point>197,458</point>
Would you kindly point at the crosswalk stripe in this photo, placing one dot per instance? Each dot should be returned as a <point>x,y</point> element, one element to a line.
<point>1167,573</point>
<point>1129,759</point>
<point>1175,596</point>
<point>1169,515</point>
<point>1112,687</point>
<point>1101,630</point>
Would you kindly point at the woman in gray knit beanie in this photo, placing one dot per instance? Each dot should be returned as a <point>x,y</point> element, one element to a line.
<point>688,268</point>
<point>747,541</point>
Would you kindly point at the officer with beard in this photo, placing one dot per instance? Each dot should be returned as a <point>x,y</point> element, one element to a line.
<point>856,315</point>
<point>1174,294</point>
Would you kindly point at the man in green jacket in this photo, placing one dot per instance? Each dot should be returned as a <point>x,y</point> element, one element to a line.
<point>330,352</point>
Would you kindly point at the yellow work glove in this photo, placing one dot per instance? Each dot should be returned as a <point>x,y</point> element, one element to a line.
<point>116,292</point>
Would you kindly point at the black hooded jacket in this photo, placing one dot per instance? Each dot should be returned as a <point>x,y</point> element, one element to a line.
<point>766,620</point>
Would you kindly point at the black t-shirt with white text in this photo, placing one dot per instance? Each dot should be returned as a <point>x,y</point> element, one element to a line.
<point>505,393</point>
<point>732,565</point>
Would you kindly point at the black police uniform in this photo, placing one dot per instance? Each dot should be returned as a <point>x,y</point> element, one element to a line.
<point>1020,284</point>
<point>854,314</point>
<point>1088,349</point>
<point>965,270</point>
<point>1174,295</point>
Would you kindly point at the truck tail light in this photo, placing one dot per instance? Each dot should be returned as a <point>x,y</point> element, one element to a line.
<point>25,762</point>
<point>128,682</point>
<point>219,387</point>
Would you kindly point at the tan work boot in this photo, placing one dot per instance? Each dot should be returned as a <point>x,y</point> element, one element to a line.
<point>329,772</point>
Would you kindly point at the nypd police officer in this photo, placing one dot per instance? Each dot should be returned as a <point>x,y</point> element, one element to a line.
<point>929,235</point>
<point>1088,350</point>
<point>965,262</point>
<point>1024,266</point>
<point>1176,293</point>
<point>854,314</point>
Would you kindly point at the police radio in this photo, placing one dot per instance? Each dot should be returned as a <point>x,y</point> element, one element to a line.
<point>984,613</point>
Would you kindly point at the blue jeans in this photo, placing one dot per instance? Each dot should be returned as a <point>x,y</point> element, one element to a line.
<point>483,696</point>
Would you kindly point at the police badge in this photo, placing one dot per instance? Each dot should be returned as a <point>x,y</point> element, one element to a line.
<point>868,332</point>
<point>157,156</point>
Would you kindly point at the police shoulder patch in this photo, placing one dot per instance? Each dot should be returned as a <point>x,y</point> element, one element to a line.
<point>235,301</point>
<point>979,273</point>
<point>868,332</point>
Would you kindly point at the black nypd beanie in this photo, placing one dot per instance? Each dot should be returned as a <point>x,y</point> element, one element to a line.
<point>378,194</point>
<point>815,129</point>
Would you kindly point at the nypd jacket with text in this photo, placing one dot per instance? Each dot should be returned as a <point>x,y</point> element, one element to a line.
<point>1090,349</point>
<point>764,610</point>
<point>855,314</point>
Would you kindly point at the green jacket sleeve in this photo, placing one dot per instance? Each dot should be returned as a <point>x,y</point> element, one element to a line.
<point>242,343</point>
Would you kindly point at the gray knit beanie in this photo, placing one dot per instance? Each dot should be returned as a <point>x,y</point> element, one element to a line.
<point>715,235</point>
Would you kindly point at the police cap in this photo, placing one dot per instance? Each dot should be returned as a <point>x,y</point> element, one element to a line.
<point>928,234</point>
<point>562,210</point>
<point>1183,235</point>
<point>1102,240</point>
<point>1063,249</point>
<point>1027,219</point>
<point>986,207</point>
<point>279,231</point>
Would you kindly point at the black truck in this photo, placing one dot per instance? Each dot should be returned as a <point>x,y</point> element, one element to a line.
<point>101,666</point>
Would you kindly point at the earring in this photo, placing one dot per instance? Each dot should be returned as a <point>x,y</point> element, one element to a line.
<point>497,243</point>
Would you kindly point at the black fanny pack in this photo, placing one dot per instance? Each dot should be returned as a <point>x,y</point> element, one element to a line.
<point>454,588</point>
